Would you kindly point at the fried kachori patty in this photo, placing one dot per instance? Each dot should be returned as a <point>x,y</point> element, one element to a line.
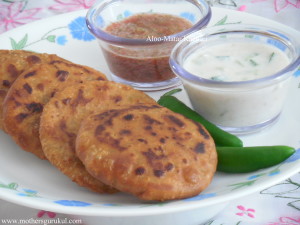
<point>148,151</point>
<point>29,93</point>
<point>13,63</point>
<point>62,117</point>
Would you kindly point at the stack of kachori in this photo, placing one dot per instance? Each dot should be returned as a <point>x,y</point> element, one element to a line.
<point>64,113</point>
<point>103,135</point>
<point>25,100</point>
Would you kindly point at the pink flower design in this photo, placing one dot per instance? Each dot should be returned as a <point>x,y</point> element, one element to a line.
<point>13,15</point>
<point>287,221</point>
<point>71,5</point>
<point>244,211</point>
<point>242,8</point>
<point>41,213</point>
<point>281,4</point>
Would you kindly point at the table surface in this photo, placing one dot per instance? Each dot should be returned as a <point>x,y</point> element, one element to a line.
<point>277,205</point>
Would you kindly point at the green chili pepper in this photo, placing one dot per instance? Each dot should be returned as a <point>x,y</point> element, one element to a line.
<point>248,159</point>
<point>221,137</point>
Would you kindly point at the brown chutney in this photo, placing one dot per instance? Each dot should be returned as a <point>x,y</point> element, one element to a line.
<point>149,63</point>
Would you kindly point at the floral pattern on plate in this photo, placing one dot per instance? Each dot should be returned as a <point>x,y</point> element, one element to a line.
<point>73,32</point>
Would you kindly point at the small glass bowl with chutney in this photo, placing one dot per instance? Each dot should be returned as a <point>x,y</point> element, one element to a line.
<point>237,76</point>
<point>137,36</point>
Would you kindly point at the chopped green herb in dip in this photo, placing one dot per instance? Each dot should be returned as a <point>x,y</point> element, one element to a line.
<point>238,61</point>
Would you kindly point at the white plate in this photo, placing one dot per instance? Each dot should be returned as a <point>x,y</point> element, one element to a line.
<point>28,181</point>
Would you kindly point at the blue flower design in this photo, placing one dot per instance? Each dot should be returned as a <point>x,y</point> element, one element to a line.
<point>29,190</point>
<point>274,172</point>
<point>297,73</point>
<point>279,34</point>
<point>201,197</point>
<point>123,15</point>
<point>61,40</point>
<point>100,21</point>
<point>79,30</point>
<point>28,193</point>
<point>294,157</point>
<point>127,13</point>
<point>188,16</point>
<point>22,194</point>
<point>72,203</point>
<point>110,204</point>
<point>277,44</point>
<point>255,176</point>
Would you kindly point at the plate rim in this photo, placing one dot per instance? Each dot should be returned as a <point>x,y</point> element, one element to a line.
<point>92,211</point>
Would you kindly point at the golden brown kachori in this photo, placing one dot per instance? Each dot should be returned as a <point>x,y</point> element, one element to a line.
<point>13,63</point>
<point>29,93</point>
<point>62,117</point>
<point>148,151</point>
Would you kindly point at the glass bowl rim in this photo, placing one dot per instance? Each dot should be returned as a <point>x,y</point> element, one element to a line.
<point>104,36</point>
<point>280,35</point>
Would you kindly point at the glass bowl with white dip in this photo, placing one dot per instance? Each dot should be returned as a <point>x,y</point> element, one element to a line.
<point>237,76</point>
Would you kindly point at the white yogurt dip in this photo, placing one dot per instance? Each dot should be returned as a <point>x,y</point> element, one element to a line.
<point>238,61</point>
<point>236,107</point>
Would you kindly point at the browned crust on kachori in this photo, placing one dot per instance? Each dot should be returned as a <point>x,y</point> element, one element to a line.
<point>26,98</point>
<point>148,151</point>
<point>62,117</point>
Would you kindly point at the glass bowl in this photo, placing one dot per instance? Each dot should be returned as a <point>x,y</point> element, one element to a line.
<point>143,63</point>
<point>238,106</point>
